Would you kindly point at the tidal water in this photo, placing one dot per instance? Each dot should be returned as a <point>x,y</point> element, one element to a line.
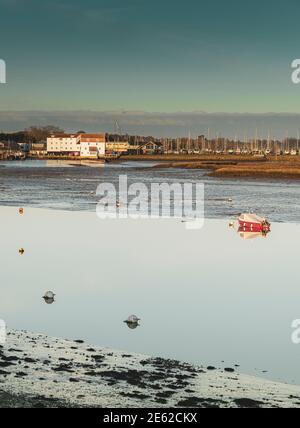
<point>57,185</point>
<point>205,296</point>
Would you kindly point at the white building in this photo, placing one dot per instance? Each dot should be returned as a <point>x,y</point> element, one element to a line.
<point>83,145</point>
<point>64,144</point>
<point>92,145</point>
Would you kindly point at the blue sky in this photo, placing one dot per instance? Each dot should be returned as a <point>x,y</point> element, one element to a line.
<point>149,55</point>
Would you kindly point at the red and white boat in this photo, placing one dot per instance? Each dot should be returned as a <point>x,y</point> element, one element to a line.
<point>253,223</point>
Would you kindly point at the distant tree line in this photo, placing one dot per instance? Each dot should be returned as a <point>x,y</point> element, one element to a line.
<point>39,134</point>
<point>33,134</point>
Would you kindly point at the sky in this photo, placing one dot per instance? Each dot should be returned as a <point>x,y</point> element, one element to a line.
<point>149,55</point>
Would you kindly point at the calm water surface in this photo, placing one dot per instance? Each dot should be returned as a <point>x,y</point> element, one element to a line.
<point>204,296</point>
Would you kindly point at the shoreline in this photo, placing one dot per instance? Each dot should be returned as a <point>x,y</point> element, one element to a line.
<point>41,371</point>
<point>241,170</point>
<point>217,166</point>
<point>68,373</point>
<point>228,166</point>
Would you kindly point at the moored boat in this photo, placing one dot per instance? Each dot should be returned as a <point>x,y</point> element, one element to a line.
<point>253,223</point>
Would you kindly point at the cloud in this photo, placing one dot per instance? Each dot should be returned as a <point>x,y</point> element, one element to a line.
<point>158,124</point>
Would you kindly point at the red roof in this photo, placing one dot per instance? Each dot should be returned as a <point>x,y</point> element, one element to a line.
<point>83,137</point>
<point>100,138</point>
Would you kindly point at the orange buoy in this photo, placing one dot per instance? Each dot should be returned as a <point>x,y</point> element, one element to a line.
<point>21,211</point>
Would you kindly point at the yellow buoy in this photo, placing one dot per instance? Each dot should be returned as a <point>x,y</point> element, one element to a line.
<point>21,251</point>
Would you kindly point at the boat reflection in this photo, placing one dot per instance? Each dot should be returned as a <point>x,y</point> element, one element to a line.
<point>48,301</point>
<point>245,234</point>
<point>132,325</point>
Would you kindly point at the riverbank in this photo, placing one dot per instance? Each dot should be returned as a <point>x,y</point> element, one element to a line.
<point>219,166</point>
<point>281,168</point>
<point>41,371</point>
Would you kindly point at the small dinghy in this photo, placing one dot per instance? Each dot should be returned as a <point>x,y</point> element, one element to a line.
<point>253,223</point>
<point>49,297</point>
<point>132,322</point>
<point>132,319</point>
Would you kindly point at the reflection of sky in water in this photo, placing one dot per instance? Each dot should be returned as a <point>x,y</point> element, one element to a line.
<point>203,296</point>
<point>59,186</point>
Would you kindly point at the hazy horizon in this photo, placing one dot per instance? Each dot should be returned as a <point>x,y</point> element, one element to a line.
<point>159,124</point>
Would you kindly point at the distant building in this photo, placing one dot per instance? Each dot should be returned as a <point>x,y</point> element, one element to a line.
<point>117,146</point>
<point>25,147</point>
<point>92,145</point>
<point>81,145</point>
<point>149,148</point>
<point>38,149</point>
<point>63,144</point>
